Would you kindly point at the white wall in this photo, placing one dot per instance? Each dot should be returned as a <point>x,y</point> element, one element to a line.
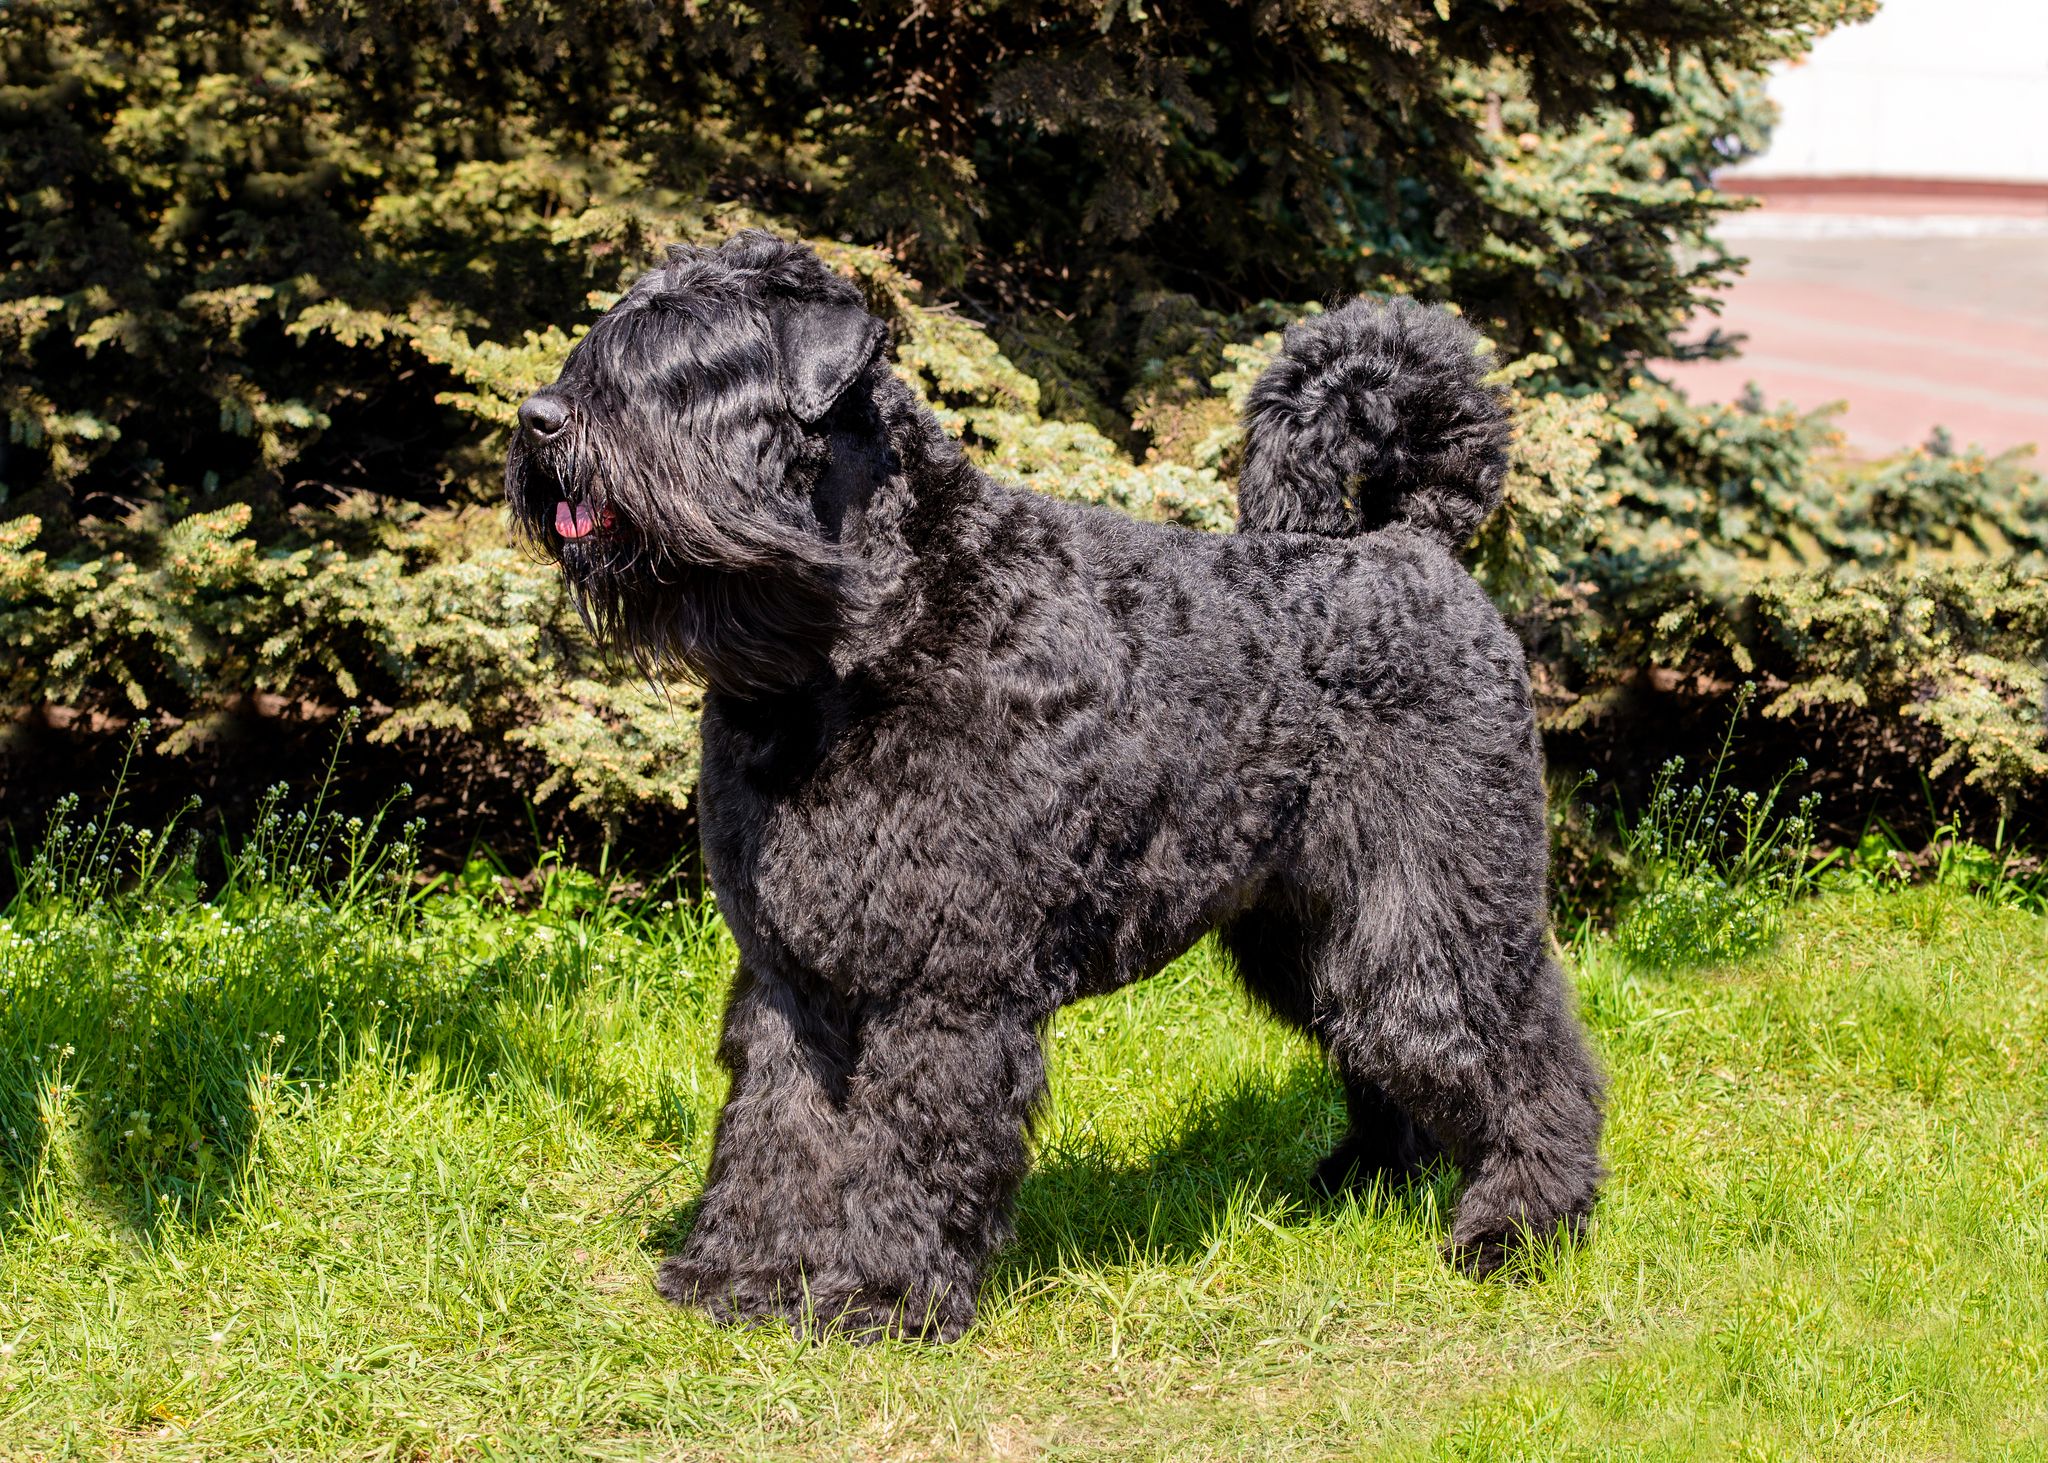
<point>1928,89</point>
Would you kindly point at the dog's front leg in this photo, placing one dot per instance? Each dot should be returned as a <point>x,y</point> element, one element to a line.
<point>941,1093</point>
<point>865,1161</point>
<point>778,1161</point>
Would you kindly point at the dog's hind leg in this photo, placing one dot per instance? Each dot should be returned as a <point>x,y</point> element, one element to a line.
<point>1472,1032</point>
<point>1277,952</point>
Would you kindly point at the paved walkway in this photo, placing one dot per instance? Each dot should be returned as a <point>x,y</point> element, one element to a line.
<point>1940,321</point>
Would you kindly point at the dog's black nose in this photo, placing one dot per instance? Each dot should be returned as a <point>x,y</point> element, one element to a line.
<point>543,416</point>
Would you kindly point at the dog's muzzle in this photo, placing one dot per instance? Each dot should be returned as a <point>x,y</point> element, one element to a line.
<point>543,421</point>
<point>543,417</point>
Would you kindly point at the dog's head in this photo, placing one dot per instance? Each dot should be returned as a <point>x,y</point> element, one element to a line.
<point>681,468</point>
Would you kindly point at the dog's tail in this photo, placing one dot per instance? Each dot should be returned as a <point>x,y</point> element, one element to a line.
<point>1373,414</point>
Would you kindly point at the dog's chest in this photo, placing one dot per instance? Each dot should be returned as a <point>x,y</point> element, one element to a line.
<point>963,861</point>
<point>878,884</point>
<point>896,857</point>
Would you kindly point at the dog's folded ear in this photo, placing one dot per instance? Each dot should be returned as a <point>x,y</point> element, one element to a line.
<point>825,345</point>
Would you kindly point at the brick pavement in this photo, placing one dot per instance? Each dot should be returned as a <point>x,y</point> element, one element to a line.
<point>1949,329</point>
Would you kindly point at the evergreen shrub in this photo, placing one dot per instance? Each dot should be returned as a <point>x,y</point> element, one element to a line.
<point>278,274</point>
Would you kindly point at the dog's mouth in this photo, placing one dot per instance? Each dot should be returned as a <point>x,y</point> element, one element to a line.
<point>575,521</point>
<point>549,486</point>
<point>559,516</point>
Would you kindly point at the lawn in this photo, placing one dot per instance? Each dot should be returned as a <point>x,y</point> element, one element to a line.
<point>303,1179</point>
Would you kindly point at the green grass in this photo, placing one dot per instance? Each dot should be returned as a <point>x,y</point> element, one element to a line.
<point>281,1180</point>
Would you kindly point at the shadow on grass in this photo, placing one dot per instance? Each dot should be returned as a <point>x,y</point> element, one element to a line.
<point>1250,1147</point>
<point>161,1086</point>
<point>665,1233</point>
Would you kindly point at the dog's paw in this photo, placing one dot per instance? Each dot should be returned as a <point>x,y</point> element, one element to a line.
<point>866,1317</point>
<point>691,1282</point>
<point>1345,1172</point>
<point>859,1315</point>
<point>1480,1258</point>
<point>1342,1171</point>
<point>1484,1248</point>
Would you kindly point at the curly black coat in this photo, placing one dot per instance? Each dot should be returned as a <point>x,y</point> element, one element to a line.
<point>971,753</point>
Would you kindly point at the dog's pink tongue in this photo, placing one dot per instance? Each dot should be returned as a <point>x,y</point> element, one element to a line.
<point>574,520</point>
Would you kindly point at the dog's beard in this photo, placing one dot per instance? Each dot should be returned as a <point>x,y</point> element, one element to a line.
<point>730,589</point>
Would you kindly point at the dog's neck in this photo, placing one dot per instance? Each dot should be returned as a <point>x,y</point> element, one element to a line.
<point>856,471</point>
<point>897,496</point>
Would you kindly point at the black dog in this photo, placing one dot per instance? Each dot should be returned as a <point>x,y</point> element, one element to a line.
<point>971,753</point>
